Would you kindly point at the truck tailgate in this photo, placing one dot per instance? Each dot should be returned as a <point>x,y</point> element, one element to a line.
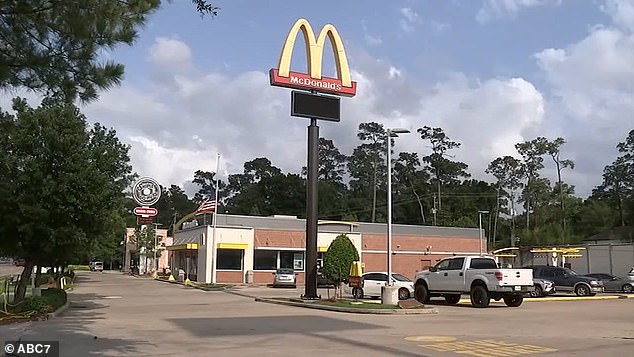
<point>516,277</point>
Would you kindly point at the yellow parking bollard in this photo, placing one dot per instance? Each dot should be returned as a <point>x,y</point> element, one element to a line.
<point>187,281</point>
<point>171,278</point>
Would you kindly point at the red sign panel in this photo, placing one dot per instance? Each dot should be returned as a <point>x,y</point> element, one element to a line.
<point>306,82</point>
<point>145,211</point>
<point>144,219</point>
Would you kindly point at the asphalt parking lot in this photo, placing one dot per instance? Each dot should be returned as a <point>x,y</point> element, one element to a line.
<point>117,315</point>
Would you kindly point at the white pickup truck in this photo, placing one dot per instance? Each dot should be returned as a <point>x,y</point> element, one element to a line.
<point>478,276</point>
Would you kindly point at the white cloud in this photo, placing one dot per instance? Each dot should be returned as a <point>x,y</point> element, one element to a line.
<point>409,20</point>
<point>498,9</point>
<point>169,52</point>
<point>592,94</point>
<point>622,13</point>
<point>372,40</point>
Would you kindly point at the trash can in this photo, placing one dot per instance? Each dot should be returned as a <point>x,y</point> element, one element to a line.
<point>249,277</point>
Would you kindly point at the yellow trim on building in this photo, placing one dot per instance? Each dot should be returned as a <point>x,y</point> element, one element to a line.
<point>343,223</point>
<point>322,249</point>
<point>233,246</point>
<point>505,249</point>
<point>183,246</point>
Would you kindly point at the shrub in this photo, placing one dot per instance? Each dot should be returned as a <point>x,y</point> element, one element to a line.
<point>339,258</point>
<point>78,267</point>
<point>55,297</point>
<point>36,304</point>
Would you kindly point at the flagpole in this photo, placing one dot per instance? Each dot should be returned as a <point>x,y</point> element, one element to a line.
<point>214,251</point>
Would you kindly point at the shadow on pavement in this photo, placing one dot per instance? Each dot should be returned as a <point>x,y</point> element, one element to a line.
<point>284,325</point>
<point>71,325</point>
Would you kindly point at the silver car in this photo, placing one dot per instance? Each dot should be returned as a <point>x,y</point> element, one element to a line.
<point>285,277</point>
<point>543,287</point>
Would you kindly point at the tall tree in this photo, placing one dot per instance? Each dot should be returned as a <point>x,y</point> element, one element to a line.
<point>206,182</point>
<point>408,176</point>
<point>367,165</point>
<point>60,184</point>
<point>508,172</point>
<point>532,161</point>
<point>444,170</point>
<point>553,149</point>
<point>53,47</point>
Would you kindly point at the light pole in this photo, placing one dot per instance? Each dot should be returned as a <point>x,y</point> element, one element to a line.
<point>154,263</point>
<point>391,133</point>
<point>480,228</point>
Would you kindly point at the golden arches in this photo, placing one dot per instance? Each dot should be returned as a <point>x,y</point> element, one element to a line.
<point>315,51</point>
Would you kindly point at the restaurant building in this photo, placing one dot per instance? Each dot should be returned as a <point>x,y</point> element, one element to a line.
<point>248,249</point>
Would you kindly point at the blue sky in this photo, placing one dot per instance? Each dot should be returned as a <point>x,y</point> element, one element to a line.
<point>446,36</point>
<point>491,73</point>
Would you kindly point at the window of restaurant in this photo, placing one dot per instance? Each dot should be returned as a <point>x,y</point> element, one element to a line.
<point>229,259</point>
<point>264,259</point>
<point>276,259</point>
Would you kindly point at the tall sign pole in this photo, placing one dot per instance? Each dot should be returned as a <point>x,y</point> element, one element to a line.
<point>146,192</point>
<point>313,106</point>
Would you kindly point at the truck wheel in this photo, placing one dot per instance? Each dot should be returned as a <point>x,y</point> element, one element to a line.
<point>452,299</point>
<point>480,296</point>
<point>582,290</point>
<point>421,294</point>
<point>513,300</point>
<point>357,293</point>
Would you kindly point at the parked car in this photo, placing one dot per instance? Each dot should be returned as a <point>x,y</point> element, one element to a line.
<point>566,279</point>
<point>285,277</point>
<point>630,275</point>
<point>96,266</point>
<point>543,287</point>
<point>373,281</point>
<point>613,283</point>
<point>480,277</point>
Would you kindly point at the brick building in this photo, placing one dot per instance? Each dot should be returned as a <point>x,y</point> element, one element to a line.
<point>256,246</point>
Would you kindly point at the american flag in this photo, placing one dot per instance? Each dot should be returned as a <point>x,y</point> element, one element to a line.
<point>207,206</point>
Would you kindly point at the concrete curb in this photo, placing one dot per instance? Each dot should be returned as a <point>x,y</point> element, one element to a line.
<point>423,311</point>
<point>236,292</point>
<point>567,298</point>
<point>60,310</point>
<point>204,288</point>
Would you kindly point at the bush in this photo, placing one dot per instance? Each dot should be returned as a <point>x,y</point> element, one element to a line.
<point>339,258</point>
<point>55,297</point>
<point>36,304</point>
<point>78,267</point>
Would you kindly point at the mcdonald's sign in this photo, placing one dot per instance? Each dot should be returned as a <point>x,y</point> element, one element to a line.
<point>313,80</point>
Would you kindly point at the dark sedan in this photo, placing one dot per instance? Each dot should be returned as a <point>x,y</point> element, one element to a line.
<point>613,283</point>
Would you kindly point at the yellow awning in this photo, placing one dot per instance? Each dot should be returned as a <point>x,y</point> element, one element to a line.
<point>505,249</point>
<point>183,246</point>
<point>233,246</point>
<point>322,249</point>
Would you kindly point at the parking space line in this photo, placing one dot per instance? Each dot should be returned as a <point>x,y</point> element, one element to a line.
<point>478,348</point>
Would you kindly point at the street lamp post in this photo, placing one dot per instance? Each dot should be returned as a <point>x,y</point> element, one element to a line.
<point>480,228</point>
<point>390,134</point>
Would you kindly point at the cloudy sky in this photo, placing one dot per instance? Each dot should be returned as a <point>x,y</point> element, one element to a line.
<point>491,73</point>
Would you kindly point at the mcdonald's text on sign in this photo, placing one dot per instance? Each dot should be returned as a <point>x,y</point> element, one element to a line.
<point>313,80</point>
<point>145,211</point>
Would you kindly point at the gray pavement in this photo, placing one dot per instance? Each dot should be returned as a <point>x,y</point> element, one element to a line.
<point>117,315</point>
